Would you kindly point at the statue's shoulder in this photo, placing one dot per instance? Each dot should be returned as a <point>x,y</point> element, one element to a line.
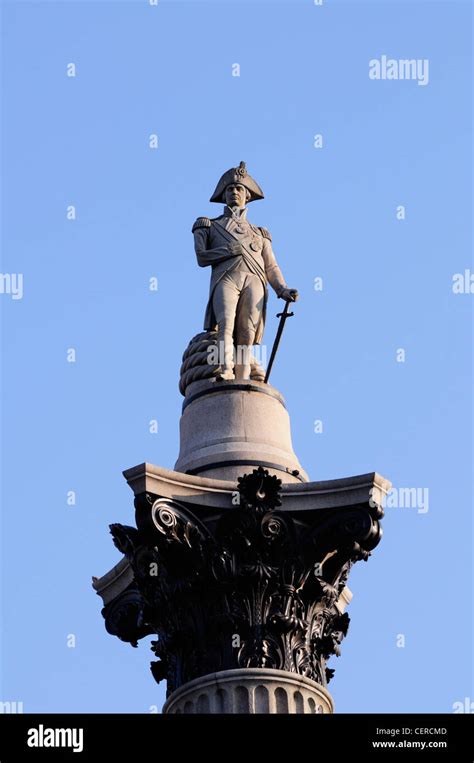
<point>265,233</point>
<point>201,222</point>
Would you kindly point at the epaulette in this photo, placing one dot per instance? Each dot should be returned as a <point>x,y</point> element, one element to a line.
<point>265,233</point>
<point>201,222</point>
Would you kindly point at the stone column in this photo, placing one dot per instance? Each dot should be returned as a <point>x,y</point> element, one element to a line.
<point>250,690</point>
<point>243,582</point>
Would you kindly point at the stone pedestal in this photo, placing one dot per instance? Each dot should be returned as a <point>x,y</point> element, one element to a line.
<point>230,428</point>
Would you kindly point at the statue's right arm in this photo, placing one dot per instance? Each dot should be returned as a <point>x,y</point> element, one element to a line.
<point>206,255</point>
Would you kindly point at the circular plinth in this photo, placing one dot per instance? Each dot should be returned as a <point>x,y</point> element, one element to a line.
<point>228,428</point>
<point>250,691</point>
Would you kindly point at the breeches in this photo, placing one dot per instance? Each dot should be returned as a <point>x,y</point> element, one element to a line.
<point>238,303</point>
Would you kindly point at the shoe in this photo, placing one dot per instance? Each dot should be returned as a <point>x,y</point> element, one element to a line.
<point>226,375</point>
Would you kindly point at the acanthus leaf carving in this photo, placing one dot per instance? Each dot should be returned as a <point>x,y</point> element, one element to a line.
<point>252,586</point>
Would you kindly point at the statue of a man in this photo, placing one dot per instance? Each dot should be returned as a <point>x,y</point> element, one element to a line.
<point>242,261</point>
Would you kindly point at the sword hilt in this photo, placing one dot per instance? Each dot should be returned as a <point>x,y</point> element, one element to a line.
<point>285,310</point>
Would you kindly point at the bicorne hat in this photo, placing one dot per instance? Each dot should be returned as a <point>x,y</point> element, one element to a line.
<point>237,175</point>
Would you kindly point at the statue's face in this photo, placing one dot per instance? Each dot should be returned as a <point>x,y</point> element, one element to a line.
<point>235,195</point>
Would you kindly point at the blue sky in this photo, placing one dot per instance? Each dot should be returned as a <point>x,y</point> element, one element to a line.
<point>387,285</point>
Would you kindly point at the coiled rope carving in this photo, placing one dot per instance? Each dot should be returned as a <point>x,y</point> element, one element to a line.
<point>195,364</point>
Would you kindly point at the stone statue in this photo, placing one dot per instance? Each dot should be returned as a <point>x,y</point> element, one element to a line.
<point>242,261</point>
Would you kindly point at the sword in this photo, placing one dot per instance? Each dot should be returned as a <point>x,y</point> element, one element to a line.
<point>282,316</point>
